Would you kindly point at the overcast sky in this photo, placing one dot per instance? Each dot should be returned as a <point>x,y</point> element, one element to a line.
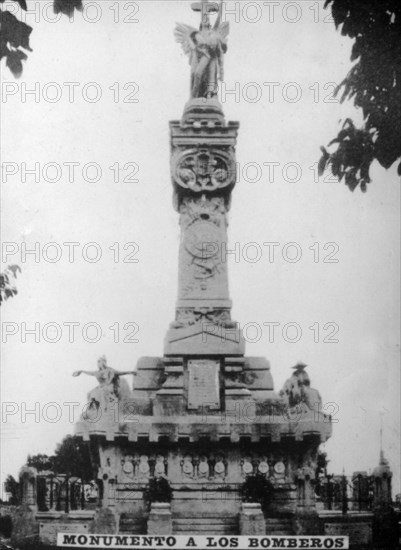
<point>107,85</point>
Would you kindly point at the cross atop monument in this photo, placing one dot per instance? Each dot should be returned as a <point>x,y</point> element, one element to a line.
<point>206,8</point>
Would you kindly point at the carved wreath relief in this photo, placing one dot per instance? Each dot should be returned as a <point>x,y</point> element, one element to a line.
<point>189,317</point>
<point>203,169</point>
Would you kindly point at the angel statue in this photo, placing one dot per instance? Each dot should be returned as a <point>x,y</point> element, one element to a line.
<point>206,49</point>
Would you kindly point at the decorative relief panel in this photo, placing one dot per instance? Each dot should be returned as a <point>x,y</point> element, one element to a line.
<point>274,468</point>
<point>127,468</point>
<point>203,169</point>
<point>263,467</point>
<point>198,468</point>
<point>160,466</point>
<point>247,467</point>
<point>203,468</point>
<point>220,468</point>
<point>213,467</point>
<point>143,470</point>
<point>212,209</point>
<point>203,270</point>
<point>188,467</point>
<point>138,469</point>
<point>186,317</point>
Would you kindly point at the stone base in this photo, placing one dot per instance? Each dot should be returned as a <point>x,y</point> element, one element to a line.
<point>251,520</point>
<point>25,527</point>
<point>104,522</point>
<point>203,109</point>
<point>160,522</point>
<point>386,529</point>
<point>307,523</point>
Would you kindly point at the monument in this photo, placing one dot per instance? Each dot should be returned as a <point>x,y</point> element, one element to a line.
<point>204,419</point>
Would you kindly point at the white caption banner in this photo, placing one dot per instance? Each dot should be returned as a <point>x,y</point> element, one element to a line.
<point>200,542</point>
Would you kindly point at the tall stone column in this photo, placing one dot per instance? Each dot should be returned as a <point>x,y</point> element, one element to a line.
<point>203,172</point>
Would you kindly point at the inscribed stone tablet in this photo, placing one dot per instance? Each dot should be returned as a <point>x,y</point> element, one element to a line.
<point>203,386</point>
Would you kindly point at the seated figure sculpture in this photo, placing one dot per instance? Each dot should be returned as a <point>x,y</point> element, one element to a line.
<point>110,388</point>
<point>297,390</point>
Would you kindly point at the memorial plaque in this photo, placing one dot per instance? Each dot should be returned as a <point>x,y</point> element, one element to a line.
<point>48,530</point>
<point>203,385</point>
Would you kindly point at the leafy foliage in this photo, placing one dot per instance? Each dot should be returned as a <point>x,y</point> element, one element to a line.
<point>15,34</point>
<point>11,486</point>
<point>373,83</point>
<point>321,464</point>
<point>67,7</point>
<point>72,457</point>
<point>7,287</point>
<point>256,488</point>
<point>6,527</point>
<point>40,462</point>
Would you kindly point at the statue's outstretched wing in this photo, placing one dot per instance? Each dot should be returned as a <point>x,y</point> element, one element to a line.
<point>182,35</point>
<point>223,30</point>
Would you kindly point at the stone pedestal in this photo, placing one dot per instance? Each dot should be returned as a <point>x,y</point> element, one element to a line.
<point>104,522</point>
<point>160,522</point>
<point>251,520</point>
<point>307,523</point>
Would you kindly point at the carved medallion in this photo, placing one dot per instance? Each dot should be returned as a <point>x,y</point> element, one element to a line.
<point>128,467</point>
<point>247,467</point>
<point>202,240</point>
<point>203,468</point>
<point>201,170</point>
<point>160,468</point>
<point>219,468</point>
<point>144,467</point>
<point>279,468</point>
<point>263,467</point>
<point>187,466</point>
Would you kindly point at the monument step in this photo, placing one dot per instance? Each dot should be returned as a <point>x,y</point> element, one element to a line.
<point>278,522</point>
<point>206,525</point>
<point>279,526</point>
<point>133,525</point>
<point>205,519</point>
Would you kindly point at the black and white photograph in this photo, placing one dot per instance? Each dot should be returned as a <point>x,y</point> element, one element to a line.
<point>200,274</point>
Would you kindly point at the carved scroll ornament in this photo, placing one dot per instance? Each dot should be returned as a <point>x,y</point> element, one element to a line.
<point>202,170</point>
